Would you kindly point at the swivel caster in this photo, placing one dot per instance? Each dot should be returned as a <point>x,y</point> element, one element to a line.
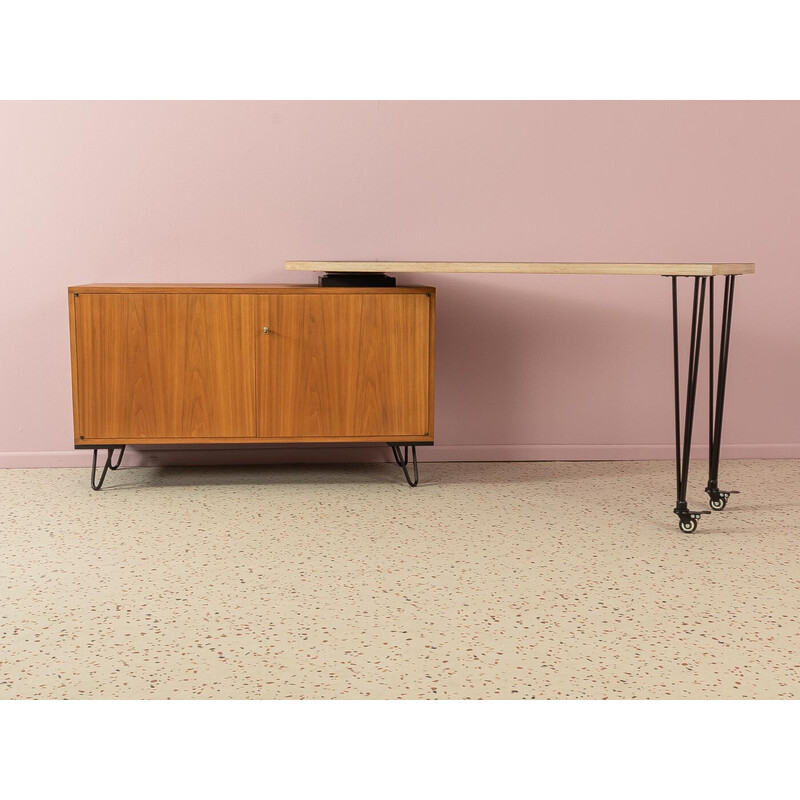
<point>718,499</point>
<point>688,525</point>
<point>718,503</point>
<point>688,519</point>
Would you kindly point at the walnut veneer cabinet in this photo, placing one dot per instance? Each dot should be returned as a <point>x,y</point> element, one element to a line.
<point>223,363</point>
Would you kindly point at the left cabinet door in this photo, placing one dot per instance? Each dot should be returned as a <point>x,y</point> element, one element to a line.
<point>164,367</point>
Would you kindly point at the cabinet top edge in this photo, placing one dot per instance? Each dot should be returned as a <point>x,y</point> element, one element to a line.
<point>237,288</point>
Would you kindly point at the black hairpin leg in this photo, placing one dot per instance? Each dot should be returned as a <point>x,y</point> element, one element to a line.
<point>718,499</point>
<point>402,461</point>
<point>97,485</point>
<point>688,519</point>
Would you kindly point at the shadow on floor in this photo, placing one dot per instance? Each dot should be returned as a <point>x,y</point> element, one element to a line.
<point>431,474</point>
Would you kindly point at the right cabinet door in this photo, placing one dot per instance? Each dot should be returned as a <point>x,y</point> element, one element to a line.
<point>343,364</point>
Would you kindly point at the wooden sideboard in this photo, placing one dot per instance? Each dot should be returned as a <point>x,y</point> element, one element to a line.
<point>226,363</point>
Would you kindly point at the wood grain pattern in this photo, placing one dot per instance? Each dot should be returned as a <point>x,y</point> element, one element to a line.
<point>354,363</point>
<point>73,352</point>
<point>175,364</point>
<point>540,268</point>
<point>162,367</point>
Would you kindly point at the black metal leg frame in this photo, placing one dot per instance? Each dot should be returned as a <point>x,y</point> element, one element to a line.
<point>683,440</point>
<point>400,458</point>
<point>97,485</point>
<point>402,461</point>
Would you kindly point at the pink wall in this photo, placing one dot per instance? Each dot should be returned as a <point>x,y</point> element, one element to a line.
<point>528,367</point>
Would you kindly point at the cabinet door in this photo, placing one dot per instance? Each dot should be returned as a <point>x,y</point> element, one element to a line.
<point>344,365</point>
<point>165,366</point>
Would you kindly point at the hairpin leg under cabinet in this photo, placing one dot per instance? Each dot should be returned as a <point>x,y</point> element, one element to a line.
<point>97,485</point>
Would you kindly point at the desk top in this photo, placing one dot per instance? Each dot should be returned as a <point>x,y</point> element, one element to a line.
<point>540,268</point>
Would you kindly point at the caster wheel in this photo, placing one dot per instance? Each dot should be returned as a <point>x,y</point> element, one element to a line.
<point>688,525</point>
<point>718,503</point>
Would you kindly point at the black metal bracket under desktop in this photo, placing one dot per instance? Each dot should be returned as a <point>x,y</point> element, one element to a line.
<point>358,280</point>
<point>718,499</point>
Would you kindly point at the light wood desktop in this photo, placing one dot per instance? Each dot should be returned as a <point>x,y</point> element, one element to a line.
<point>523,267</point>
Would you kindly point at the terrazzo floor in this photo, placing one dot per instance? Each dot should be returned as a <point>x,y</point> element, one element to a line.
<point>489,580</point>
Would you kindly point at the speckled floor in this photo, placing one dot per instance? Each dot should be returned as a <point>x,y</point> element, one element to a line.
<point>490,580</point>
